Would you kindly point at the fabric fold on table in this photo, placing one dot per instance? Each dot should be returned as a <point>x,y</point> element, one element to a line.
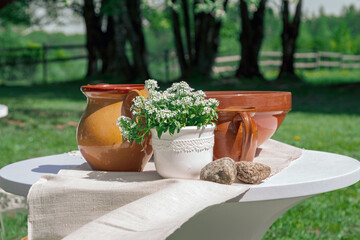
<point>158,215</point>
<point>85,204</point>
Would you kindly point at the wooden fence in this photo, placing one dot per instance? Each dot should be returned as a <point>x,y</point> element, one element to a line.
<point>37,55</point>
<point>309,60</point>
<point>29,56</point>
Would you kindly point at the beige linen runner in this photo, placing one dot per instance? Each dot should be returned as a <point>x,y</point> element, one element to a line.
<point>85,204</point>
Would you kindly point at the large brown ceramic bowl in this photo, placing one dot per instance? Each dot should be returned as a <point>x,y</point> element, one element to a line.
<point>271,107</point>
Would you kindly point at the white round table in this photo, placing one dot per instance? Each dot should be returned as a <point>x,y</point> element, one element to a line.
<point>247,217</point>
<point>3,110</point>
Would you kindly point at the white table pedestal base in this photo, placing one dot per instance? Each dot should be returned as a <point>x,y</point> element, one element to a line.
<point>234,220</point>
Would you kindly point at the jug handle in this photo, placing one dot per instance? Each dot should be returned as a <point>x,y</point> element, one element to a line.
<point>127,103</point>
<point>247,127</point>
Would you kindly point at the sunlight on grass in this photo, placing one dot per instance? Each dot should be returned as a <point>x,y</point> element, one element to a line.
<point>329,215</point>
<point>335,76</point>
<point>322,76</point>
<point>336,133</point>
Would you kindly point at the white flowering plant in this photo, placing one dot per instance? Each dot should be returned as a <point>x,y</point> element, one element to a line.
<point>176,107</point>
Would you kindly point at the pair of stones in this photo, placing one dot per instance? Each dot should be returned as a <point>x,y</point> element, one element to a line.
<point>226,170</point>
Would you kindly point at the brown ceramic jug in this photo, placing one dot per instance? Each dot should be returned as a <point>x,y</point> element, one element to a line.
<point>236,134</point>
<point>99,138</point>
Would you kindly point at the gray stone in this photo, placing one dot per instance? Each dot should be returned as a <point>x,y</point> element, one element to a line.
<point>221,171</point>
<point>252,172</point>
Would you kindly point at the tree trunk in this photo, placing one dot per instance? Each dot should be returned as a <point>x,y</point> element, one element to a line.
<point>251,38</point>
<point>179,44</point>
<point>198,26</point>
<point>212,44</point>
<point>132,21</point>
<point>118,62</point>
<point>190,51</point>
<point>209,44</point>
<point>288,37</point>
<point>93,36</point>
<point>202,48</point>
<point>108,38</point>
<point>109,45</point>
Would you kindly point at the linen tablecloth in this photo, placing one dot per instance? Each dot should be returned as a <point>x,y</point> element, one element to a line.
<point>86,204</point>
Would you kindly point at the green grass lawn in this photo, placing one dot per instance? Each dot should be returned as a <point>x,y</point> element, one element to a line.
<point>326,118</point>
<point>324,76</point>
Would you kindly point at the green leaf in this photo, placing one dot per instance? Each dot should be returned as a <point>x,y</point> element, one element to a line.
<point>159,131</point>
<point>172,130</point>
<point>177,124</point>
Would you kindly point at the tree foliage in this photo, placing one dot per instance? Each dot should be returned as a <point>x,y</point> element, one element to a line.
<point>319,32</point>
<point>14,13</point>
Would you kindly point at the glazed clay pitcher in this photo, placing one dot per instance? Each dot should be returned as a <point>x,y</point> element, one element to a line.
<point>98,137</point>
<point>236,134</point>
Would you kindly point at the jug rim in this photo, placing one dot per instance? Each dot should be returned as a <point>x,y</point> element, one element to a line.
<point>118,88</point>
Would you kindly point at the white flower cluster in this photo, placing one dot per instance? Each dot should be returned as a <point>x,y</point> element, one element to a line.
<point>199,94</point>
<point>123,122</point>
<point>187,101</point>
<point>164,115</point>
<point>176,107</point>
<point>156,96</point>
<point>138,102</point>
<point>179,89</point>
<point>151,84</point>
<point>207,110</point>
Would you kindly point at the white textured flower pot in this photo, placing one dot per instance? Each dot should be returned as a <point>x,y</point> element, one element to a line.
<point>184,154</point>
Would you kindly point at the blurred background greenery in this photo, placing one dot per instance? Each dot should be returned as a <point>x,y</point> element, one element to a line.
<point>318,33</point>
<point>45,102</point>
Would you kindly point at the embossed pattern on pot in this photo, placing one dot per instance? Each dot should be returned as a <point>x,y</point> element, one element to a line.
<point>187,160</point>
<point>187,145</point>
